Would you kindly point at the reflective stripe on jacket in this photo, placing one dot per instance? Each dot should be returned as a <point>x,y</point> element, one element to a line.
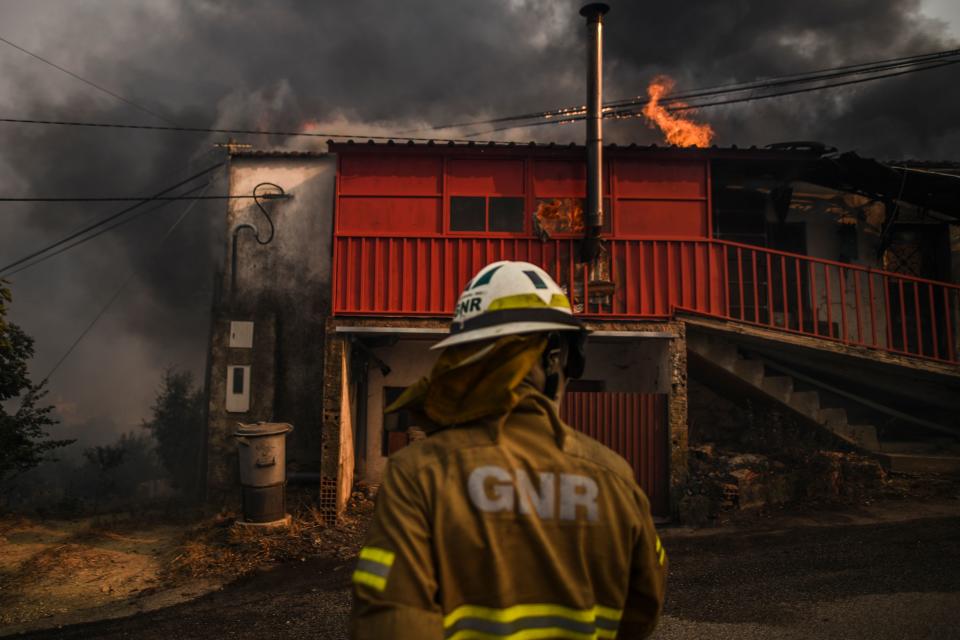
<point>515,528</point>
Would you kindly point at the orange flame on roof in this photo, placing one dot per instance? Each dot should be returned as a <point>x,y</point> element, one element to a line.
<point>676,129</point>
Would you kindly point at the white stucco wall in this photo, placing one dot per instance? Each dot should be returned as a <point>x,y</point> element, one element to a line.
<point>286,282</point>
<point>640,365</point>
<point>409,360</point>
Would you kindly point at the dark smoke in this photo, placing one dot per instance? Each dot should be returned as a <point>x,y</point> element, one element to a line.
<point>365,67</point>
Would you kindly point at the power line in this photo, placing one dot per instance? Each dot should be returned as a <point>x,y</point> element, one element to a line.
<point>631,113</point>
<point>804,90</point>
<point>116,294</point>
<point>797,78</point>
<point>266,196</point>
<point>259,132</point>
<point>103,230</point>
<point>96,234</point>
<point>567,114</point>
<point>88,82</point>
<point>109,218</point>
<point>801,78</point>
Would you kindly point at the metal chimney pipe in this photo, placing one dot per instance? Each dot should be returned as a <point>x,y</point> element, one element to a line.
<point>594,13</point>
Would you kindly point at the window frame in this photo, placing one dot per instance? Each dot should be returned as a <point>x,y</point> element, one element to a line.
<point>524,196</point>
<point>525,232</point>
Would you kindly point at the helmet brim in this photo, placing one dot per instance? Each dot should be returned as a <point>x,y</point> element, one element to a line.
<point>500,330</point>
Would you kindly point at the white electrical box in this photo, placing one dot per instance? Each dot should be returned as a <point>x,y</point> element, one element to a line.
<point>241,334</point>
<point>238,388</point>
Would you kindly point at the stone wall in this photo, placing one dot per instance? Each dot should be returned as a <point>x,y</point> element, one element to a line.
<point>754,456</point>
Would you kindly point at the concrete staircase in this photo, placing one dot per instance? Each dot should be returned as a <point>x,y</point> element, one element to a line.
<point>941,456</point>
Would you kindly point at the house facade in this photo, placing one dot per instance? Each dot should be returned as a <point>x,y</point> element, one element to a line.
<point>724,263</point>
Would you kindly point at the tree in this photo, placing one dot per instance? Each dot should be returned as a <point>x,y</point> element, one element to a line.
<point>105,459</point>
<point>24,441</point>
<point>177,426</point>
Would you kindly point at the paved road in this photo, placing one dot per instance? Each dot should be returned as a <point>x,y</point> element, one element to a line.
<point>775,579</point>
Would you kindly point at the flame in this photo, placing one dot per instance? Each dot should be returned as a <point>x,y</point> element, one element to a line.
<point>309,126</point>
<point>676,129</point>
<point>560,215</point>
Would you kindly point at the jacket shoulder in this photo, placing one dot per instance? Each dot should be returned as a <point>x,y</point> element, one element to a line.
<point>437,446</point>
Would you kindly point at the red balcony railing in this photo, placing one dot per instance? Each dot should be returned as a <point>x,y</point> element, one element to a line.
<point>653,278</point>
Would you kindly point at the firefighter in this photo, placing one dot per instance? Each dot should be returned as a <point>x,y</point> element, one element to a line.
<point>505,522</point>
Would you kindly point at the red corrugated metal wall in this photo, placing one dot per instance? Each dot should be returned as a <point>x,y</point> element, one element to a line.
<point>635,426</point>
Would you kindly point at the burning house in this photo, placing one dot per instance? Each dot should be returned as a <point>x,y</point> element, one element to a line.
<point>820,281</point>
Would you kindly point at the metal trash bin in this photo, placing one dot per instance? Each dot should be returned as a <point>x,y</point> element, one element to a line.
<point>261,449</point>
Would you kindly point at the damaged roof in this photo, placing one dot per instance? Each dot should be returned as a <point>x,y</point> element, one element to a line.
<point>910,182</point>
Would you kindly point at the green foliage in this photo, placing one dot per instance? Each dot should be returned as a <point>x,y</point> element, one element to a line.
<point>23,438</point>
<point>106,457</point>
<point>177,426</point>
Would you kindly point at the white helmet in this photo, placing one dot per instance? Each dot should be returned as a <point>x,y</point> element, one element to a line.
<point>508,298</point>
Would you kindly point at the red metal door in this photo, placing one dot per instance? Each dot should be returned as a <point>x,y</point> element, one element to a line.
<point>635,426</point>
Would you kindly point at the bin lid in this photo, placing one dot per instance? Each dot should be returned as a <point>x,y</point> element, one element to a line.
<point>262,429</point>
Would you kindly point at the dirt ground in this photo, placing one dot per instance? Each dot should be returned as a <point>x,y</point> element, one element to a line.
<point>59,572</point>
<point>887,569</point>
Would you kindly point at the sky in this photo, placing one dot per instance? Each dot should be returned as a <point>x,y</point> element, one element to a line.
<point>365,67</point>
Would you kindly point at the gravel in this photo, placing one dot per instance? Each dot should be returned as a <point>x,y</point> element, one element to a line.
<point>840,578</point>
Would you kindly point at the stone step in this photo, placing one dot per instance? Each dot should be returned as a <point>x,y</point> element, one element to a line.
<point>862,435</point>
<point>780,387</point>
<point>749,370</point>
<point>907,463</point>
<point>806,402</point>
<point>837,421</point>
<point>832,417</point>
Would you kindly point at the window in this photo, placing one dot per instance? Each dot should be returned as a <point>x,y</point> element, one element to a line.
<point>468,213</point>
<point>506,214</point>
<point>480,213</point>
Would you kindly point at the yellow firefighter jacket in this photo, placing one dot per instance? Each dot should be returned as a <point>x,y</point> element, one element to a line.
<point>511,527</point>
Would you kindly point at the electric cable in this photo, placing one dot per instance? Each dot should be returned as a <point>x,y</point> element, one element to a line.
<point>88,82</point>
<point>182,196</point>
<point>98,233</point>
<point>631,113</point>
<point>259,132</point>
<point>803,77</point>
<point>564,115</point>
<point>116,294</point>
<point>844,83</point>
<point>256,200</point>
<point>119,223</point>
<point>107,219</point>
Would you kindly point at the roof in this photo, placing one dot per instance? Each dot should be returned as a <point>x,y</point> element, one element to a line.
<point>906,182</point>
<point>276,153</point>
<point>568,148</point>
<point>467,146</point>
